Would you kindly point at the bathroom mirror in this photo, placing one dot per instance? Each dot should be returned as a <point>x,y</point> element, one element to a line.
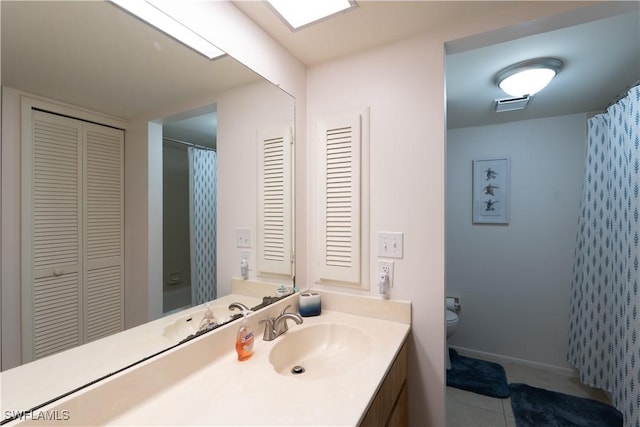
<point>95,57</point>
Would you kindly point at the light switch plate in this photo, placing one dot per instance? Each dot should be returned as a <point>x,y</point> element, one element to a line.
<point>243,237</point>
<point>390,244</point>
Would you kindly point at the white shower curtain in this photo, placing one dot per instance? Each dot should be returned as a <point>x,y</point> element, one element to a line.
<point>604,329</point>
<point>202,216</point>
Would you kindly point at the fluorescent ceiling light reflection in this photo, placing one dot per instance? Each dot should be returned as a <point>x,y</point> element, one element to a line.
<point>299,13</point>
<point>153,15</point>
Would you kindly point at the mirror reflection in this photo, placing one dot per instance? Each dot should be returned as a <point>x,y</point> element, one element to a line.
<point>194,169</point>
<point>189,211</point>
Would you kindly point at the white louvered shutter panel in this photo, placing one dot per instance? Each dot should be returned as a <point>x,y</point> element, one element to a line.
<point>52,218</point>
<point>340,141</point>
<point>275,202</point>
<point>104,264</point>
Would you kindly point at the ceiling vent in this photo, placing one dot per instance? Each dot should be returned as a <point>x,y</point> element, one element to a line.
<point>511,104</point>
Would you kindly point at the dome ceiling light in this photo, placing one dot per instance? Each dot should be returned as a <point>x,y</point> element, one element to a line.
<point>527,77</point>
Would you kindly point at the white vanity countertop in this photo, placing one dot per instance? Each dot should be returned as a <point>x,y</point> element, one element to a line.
<point>203,383</point>
<point>28,385</point>
<point>229,392</point>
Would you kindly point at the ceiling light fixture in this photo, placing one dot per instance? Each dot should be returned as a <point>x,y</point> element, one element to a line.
<point>527,77</point>
<point>153,15</point>
<point>299,13</point>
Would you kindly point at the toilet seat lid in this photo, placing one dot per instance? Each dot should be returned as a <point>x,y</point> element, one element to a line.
<point>451,317</point>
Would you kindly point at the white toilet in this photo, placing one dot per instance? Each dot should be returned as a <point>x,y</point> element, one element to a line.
<point>452,325</point>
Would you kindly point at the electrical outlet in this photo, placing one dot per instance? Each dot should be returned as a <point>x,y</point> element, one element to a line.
<point>243,237</point>
<point>388,267</point>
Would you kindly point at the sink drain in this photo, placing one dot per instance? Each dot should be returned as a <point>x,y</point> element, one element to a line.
<point>297,370</point>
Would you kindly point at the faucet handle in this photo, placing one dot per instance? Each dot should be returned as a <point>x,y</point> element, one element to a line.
<point>269,332</point>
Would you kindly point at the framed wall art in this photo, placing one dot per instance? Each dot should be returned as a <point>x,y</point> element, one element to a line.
<point>491,191</point>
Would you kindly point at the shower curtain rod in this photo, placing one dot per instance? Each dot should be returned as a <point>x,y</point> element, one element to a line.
<point>190,144</point>
<point>622,95</point>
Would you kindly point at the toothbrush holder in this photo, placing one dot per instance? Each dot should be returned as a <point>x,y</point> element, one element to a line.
<point>310,304</point>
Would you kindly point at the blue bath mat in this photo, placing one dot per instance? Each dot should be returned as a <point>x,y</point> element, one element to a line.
<point>478,376</point>
<point>534,407</point>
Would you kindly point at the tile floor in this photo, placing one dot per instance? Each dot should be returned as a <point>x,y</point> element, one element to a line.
<point>467,409</point>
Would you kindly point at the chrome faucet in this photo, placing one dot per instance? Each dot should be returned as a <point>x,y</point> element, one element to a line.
<point>238,305</point>
<point>274,327</point>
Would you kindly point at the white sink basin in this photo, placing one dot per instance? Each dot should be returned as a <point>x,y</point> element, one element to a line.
<point>321,350</point>
<point>188,324</point>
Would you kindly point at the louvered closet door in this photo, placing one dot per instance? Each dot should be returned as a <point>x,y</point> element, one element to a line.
<point>275,202</point>
<point>72,236</point>
<point>53,267</point>
<point>103,237</point>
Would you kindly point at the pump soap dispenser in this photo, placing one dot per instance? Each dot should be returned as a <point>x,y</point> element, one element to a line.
<point>244,339</point>
<point>208,320</point>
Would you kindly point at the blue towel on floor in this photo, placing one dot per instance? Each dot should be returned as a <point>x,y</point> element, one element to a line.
<point>478,376</point>
<point>534,407</point>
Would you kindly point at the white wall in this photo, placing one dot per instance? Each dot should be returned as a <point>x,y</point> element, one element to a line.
<point>225,26</point>
<point>242,112</point>
<point>406,187</point>
<point>176,248</point>
<point>403,84</point>
<point>136,232</point>
<point>154,218</point>
<point>235,33</point>
<point>11,172</point>
<point>514,280</point>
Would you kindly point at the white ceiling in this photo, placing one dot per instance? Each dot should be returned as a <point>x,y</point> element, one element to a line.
<point>601,59</point>
<point>51,49</point>
<point>601,56</point>
<point>94,55</point>
<point>370,24</point>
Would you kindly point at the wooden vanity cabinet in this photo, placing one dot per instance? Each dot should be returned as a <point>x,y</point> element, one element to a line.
<point>389,408</point>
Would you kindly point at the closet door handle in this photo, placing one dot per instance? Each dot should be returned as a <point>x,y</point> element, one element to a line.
<point>57,272</point>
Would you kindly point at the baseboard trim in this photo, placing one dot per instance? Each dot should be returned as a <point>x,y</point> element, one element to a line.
<point>499,358</point>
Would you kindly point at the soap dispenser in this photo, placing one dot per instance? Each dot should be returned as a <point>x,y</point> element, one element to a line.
<point>208,320</point>
<point>244,339</point>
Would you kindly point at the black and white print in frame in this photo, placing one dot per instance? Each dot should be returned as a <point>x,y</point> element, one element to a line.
<point>491,191</point>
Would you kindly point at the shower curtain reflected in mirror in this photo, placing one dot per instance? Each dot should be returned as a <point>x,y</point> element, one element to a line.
<point>202,224</point>
<point>604,329</point>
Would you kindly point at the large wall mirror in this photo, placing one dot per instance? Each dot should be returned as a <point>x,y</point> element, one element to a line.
<point>178,111</point>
